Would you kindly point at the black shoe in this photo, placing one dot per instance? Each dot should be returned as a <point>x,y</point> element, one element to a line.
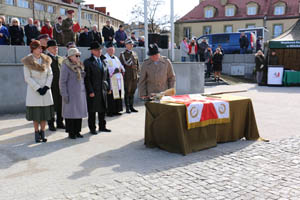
<point>79,135</point>
<point>93,132</point>
<point>43,138</point>
<point>37,137</point>
<point>117,114</point>
<point>61,126</point>
<point>51,127</point>
<point>128,110</point>
<point>72,136</point>
<point>133,110</point>
<point>104,130</point>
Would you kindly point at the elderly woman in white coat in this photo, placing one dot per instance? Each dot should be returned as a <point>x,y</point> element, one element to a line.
<point>38,76</point>
<point>72,90</point>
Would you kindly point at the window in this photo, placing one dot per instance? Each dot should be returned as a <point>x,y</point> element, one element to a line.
<point>206,30</point>
<point>39,7</point>
<point>209,13</point>
<point>230,11</point>
<point>220,38</point>
<point>252,9</point>
<point>23,4</point>
<point>9,2</point>
<point>50,9</point>
<point>250,26</point>
<point>88,16</point>
<point>23,21</point>
<point>228,29</point>
<point>187,32</point>
<point>277,30</point>
<point>279,10</point>
<point>62,11</point>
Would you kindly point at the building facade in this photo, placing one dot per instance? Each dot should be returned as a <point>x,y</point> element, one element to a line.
<point>219,16</point>
<point>51,9</point>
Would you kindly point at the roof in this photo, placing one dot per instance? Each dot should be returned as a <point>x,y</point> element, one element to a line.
<point>266,8</point>
<point>291,34</point>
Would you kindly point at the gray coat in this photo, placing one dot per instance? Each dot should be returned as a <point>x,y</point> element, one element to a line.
<point>73,93</point>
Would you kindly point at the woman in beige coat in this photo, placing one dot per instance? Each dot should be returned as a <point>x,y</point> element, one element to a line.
<point>38,76</point>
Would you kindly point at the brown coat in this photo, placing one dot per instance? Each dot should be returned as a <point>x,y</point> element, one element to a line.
<point>156,78</point>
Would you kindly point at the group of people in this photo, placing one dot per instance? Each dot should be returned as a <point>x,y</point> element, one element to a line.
<point>65,90</point>
<point>63,32</point>
<point>203,52</point>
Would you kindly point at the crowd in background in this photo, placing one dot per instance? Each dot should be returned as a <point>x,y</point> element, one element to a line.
<point>15,34</point>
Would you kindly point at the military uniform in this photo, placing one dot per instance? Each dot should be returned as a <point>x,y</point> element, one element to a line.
<point>130,61</point>
<point>58,34</point>
<point>156,77</point>
<point>68,34</point>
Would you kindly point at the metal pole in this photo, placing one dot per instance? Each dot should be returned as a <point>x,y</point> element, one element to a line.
<point>79,14</point>
<point>172,31</point>
<point>146,27</point>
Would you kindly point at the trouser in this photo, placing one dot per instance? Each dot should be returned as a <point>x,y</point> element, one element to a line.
<point>208,69</point>
<point>129,100</point>
<point>192,58</point>
<point>73,126</point>
<point>92,120</point>
<point>130,88</point>
<point>59,118</point>
<point>259,76</point>
<point>202,58</point>
<point>183,59</point>
<point>243,50</point>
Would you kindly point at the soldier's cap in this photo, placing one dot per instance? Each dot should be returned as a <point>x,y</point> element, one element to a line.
<point>51,43</point>
<point>128,41</point>
<point>109,45</point>
<point>70,11</point>
<point>95,45</point>
<point>153,49</point>
<point>43,36</point>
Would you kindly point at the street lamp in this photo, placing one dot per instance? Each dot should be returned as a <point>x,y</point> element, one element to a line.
<point>79,10</point>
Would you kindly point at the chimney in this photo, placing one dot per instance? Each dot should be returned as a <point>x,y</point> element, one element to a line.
<point>101,9</point>
<point>91,6</point>
<point>68,1</point>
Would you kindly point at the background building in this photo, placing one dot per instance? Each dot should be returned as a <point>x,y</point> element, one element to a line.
<point>51,9</point>
<point>219,16</point>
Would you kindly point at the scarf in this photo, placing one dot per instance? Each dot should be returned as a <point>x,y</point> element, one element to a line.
<point>30,63</point>
<point>77,68</point>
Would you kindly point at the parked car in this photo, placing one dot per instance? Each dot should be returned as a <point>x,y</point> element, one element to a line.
<point>229,41</point>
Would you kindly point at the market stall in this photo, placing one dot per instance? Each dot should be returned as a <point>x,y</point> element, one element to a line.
<point>287,48</point>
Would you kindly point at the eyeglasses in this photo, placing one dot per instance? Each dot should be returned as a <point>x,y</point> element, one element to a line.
<point>77,56</point>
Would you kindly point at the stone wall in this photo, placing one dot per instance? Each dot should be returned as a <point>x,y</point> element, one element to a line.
<point>239,65</point>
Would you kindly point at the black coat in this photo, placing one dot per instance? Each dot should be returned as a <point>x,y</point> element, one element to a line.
<point>97,37</point>
<point>217,62</point>
<point>259,61</point>
<point>16,35</point>
<point>85,39</point>
<point>244,42</point>
<point>97,81</point>
<point>31,32</point>
<point>108,32</point>
<point>56,66</point>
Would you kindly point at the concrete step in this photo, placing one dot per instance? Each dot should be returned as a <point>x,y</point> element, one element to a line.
<point>211,82</point>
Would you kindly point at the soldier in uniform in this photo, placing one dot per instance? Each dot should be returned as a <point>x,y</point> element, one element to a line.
<point>67,28</point>
<point>52,50</point>
<point>157,74</point>
<point>57,31</point>
<point>130,61</point>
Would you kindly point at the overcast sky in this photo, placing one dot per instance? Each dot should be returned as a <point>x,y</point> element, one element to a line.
<point>121,9</point>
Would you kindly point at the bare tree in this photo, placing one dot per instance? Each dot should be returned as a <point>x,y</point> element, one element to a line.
<point>155,23</point>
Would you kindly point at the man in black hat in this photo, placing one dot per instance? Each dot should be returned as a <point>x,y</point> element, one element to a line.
<point>97,83</point>
<point>85,38</point>
<point>67,28</point>
<point>57,60</point>
<point>130,61</point>
<point>44,38</point>
<point>157,74</point>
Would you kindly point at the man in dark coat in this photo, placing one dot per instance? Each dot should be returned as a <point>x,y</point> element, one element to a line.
<point>31,32</point>
<point>130,61</point>
<point>52,50</point>
<point>85,38</point>
<point>67,28</point>
<point>108,33</point>
<point>57,31</point>
<point>201,50</point>
<point>97,83</point>
<point>96,35</point>
<point>244,43</point>
<point>120,37</point>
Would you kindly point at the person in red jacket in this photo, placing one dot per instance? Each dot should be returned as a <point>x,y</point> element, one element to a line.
<point>193,50</point>
<point>47,29</point>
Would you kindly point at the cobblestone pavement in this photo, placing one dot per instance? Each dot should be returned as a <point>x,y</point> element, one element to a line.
<point>259,171</point>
